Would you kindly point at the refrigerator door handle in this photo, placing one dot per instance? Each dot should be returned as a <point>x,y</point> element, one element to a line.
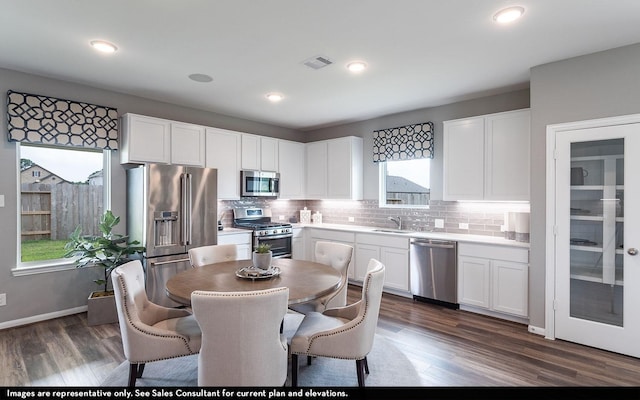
<point>184,210</point>
<point>188,204</point>
<point>156,263</point>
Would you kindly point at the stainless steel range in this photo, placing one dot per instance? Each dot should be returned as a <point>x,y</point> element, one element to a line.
<point>278,235</point>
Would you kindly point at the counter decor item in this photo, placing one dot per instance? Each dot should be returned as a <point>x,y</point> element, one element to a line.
<point>305,216</point>
<point>317,218</point>
<point>262,256</point>
<point>522,227</point>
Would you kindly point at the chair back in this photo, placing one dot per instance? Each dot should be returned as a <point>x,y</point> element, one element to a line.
<point>241,340</point>
<point>338,256</point>
<point>199,256</point>
<point>371,299</point>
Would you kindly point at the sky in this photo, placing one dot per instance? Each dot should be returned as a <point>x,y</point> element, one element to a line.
<point>71,165</point>
<point>414,170</point>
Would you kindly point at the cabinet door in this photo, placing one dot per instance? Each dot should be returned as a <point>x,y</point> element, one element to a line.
<point>507,156</point>
<point>298,244</point>
<point>250,152</point>
<point>510,288</point>
<point>474,281</point>
<point>187,144</point>
<point>269,154</point>
<point>396,262</point>
<point>223,153</point>
<point>316,173</point>
<point>463,169</point>
<point>292,169</point>
<point>364,253</point>
<point>145,139</point>
<point>243,241</point>
<point>344,168</point>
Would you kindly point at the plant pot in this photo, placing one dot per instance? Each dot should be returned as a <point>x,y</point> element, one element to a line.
<point>262,260</point>
<point>101,308</point>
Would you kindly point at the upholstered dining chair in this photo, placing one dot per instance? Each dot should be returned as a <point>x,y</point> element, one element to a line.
<point>242,343</point>
<point>199,256</point>
<point>150,332</point>
<point>344,332</point>
<point>338,256</point>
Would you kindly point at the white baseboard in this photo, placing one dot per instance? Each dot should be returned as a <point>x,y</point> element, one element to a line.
<point>42,317</point>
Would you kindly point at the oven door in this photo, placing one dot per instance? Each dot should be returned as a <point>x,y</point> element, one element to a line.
<point>280,244</point>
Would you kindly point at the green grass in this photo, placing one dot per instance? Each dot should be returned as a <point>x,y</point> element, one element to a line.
<point>38,250</point>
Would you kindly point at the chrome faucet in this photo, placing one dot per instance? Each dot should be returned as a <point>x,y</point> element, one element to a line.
<point>397,220</point>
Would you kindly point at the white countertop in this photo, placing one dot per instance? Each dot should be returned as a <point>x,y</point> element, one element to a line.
<point>234,231</point>
<point>458,237</point>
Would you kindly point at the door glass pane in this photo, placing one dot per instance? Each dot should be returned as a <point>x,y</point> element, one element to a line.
<point>597,213</point>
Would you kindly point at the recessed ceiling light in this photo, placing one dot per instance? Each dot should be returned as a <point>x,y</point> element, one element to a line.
<point>357,66</point>
<point>508,14</point>
<point>103,46</point>
<point>275,97</point>
<point>200,78</point>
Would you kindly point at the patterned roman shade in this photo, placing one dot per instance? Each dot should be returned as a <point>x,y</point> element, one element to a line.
<point>403,143</point>
<point>48,120</point>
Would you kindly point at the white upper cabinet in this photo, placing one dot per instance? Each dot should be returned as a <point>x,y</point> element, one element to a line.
<point>334,169</point>
<point>291,160</point>
<point>487,157</point>
<point>316,183</point>
<point>223,153</point>
<point>259,153</point>
<point>187,144</point>
<point>145,139</point>
<point>156,140</point>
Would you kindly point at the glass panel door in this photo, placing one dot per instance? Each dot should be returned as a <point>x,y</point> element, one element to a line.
<point>597,225</point>
<point>596,229</point>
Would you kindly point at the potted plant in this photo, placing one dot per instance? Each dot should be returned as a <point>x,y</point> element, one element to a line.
<point>262,256</point>
<point>106,251</point>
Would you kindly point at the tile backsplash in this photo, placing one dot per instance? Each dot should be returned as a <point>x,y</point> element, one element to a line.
<point>482,218</point>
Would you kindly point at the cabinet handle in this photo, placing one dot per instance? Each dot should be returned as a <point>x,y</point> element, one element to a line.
<point>632,251</point>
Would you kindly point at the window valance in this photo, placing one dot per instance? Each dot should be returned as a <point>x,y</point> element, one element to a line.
<point>403,143</point>
<point>48,120</point>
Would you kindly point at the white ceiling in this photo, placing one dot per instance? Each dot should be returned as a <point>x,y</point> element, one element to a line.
<point>421,53</point>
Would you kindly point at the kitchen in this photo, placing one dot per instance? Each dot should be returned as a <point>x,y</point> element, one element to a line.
<point>579,88</point>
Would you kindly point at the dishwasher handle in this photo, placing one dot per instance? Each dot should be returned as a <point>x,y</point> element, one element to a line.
<point>441,244</point>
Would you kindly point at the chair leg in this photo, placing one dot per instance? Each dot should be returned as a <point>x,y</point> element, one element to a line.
<point>135,372</point>
<point>141,370</point>
<point>366,366</point>
<point>309,358</point>
<point>360,371</point>
<point>294,370</point>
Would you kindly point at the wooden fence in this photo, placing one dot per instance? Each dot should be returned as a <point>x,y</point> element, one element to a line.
<point>54,211</point>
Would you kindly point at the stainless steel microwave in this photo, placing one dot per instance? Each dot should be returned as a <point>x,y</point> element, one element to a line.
<point>259,183</point>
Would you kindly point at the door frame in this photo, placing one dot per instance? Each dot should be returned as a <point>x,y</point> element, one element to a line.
<point>550,229</point>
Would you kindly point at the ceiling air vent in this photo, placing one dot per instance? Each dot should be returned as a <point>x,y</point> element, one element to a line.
<point>317,62</point>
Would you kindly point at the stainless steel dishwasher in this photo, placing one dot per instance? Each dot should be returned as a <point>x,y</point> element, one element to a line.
<point>433,271</point>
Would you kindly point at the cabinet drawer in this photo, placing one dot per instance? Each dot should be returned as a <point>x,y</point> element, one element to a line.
<point>334,236</point>
<point>240,238</point>
<point>506,253</point>
<point>383,240</point>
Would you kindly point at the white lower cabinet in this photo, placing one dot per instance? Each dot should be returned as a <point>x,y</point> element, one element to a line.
<point>392,251</point>
<point>316,235</point>
<point>297,245</point>
<point>494,278</point>
<point>242,239</point>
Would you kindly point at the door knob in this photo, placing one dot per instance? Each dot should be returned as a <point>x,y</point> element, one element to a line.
<point>632,251</point>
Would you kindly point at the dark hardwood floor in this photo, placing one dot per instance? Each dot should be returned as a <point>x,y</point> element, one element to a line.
<point>449,348</point>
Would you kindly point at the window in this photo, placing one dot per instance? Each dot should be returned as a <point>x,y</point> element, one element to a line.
<point>405,183</point>
<point>59,190</point>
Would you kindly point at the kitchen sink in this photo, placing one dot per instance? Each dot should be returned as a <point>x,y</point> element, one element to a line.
<point>392,231</point>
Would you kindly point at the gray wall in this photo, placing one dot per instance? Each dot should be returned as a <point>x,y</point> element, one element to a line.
<point>504,102</point>
<point>51,292</point>
<point>597,85</point>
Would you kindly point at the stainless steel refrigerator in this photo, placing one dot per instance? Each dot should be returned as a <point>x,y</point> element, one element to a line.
<point>170,209</point>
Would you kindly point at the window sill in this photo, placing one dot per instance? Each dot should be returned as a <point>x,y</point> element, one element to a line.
<point>43,267</point>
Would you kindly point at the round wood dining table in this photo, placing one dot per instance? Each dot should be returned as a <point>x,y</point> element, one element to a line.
<point>306,280</point>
